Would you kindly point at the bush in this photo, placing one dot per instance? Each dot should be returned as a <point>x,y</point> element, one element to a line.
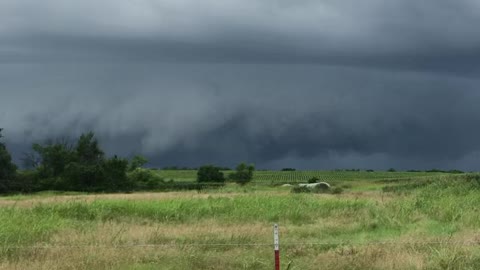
<point>137,162</point>
<point>143,179</point>
<point>288,170</point>
<point>115,175</point>
<point>25,181</point>
<point>82,177</point>
<point>210,173</point>
<point>243,173</point>
<point>313,180</point>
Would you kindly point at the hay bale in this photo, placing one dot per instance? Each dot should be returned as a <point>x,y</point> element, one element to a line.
<point>321,185</point>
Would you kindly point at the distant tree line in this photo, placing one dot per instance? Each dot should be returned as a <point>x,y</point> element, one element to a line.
<point>243,174</point>
<point>185,168</point>
<point>81,165</point>
<point>73,165</point>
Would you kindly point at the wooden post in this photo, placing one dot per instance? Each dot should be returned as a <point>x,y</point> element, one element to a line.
<point>276,243</point>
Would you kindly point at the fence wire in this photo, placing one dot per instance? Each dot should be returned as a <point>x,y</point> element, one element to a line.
<point>285,245</point>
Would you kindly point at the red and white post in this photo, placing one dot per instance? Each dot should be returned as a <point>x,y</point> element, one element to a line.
<point>276,244</point>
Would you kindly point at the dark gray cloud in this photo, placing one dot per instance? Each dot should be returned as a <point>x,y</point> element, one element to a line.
<point>312,83</point>
<point>403,34</point>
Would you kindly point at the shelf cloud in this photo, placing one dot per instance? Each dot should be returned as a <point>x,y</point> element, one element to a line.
<point>311,84</point>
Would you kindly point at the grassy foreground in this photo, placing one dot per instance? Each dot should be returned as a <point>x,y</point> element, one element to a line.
<point>424,223</point>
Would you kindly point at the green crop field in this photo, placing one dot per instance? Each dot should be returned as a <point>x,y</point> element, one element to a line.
<point>302,176</point>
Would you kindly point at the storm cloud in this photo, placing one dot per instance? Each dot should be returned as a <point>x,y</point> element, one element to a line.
<point>310,84</point>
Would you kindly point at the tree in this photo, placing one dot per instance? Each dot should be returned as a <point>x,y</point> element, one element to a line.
<point>243,173</point>
<point>79,166</point>
<point>31,160</point>
<point>210,173</point>
<point>87,149</point>
<point>54,157</point>
<point>7,168</point>
<point>137,162</point>
<point>115,174</point>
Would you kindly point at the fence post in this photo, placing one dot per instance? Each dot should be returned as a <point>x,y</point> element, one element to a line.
<point>276,243</point>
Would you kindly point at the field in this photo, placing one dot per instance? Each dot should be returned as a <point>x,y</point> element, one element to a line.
<point>268,177</point>
<point>407,221</point>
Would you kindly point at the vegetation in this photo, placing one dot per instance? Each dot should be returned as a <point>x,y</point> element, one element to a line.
<point>243,173</point>
<point>7,168</point>
<point>67,165</point>
<point>313,180</point>
<point>366,220</point>
<point>210,173</point>
<point>291,177</point>
<point>137,162</point>
<point>79,166</point>
<point>317,189</point>
<point>433,226</point>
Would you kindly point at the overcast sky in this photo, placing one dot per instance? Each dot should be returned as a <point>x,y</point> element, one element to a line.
<point>311,84</point>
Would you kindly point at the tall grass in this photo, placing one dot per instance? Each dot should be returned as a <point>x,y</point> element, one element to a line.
<point>350,225</point>
<point>301,209</point>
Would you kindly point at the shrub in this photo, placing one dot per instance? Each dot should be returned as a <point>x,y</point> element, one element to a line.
<point>243,173</point>
<point>143,179</point>
<point>137,162</point>
<point>210,173</point>
<point>313,180</point>
<point>25,181</point>
<point>115,174</point>
<point>82,177</point>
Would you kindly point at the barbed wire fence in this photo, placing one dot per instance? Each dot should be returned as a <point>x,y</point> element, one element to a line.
<point>274,245</point>
<point>292,244</point>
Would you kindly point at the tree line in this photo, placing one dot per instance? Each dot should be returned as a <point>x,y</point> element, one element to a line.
<point>82,165</point>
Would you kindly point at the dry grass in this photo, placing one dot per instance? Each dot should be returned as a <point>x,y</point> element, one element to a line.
<point>113,245</point>
<point>356,230</point>
<point>147,196</point>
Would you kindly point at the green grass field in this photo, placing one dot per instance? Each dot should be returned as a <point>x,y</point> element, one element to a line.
<point>427,222</point>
